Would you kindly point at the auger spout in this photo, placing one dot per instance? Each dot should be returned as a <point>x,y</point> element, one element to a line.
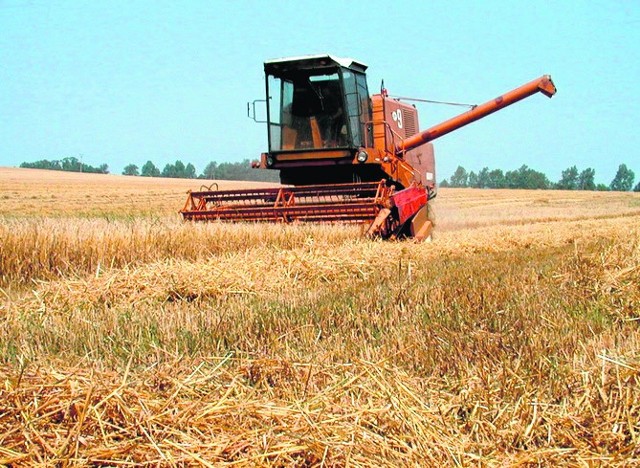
<point>544,85</point>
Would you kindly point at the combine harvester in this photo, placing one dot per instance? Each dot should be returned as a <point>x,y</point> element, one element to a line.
<point>343,156</point>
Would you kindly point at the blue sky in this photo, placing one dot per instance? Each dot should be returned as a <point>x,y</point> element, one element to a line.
<point>121,82</point>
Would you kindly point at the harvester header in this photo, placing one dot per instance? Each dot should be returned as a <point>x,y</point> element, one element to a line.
<point>344,155</point>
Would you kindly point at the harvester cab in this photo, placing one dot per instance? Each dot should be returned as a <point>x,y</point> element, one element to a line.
<point>322,130</point>
<point>343,155</point>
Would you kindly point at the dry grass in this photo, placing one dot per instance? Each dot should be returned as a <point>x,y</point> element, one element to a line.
<point>469,208</point>
<point>142,340</point>
<point>35,192</point>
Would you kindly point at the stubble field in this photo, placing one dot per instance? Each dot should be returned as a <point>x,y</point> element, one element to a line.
<point>130,338</point>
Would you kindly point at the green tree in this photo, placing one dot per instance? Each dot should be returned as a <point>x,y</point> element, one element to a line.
<point>169,170</point>
<point>537,180</point>
<point>459,177</point>
<point>43,164</point>
<point>150,170</point>
<point>70,164</point>
<point>623,181</point>
<point>130,170</point>
<point>496,179</point>
<point>180,169</point>
<point>239,171</point>
<point>190,171</point>
<point>472,180</point>
<point>210,170</point>
<point>569,179</point>
<point>483,178</point>
<point>231,171</point>
<point>637,187</point>
<point>444,183</point>
<point>526,178</point>
<point>602,188</point>
<point>586,180</point>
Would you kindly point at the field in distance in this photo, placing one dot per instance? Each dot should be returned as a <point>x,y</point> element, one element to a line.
<point>130,337</point>
<point>36,192</point>
<point>33,192</point>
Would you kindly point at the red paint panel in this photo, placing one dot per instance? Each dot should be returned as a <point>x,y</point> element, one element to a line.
<point>409,201</point>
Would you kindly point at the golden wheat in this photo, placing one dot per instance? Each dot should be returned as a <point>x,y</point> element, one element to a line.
<point>511,340</point>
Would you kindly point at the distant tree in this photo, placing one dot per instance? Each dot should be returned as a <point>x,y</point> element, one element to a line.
<point>483,178</point>
<point>43,164</point>
<point>586,179</point>
<point>232,171</point>
<point>538,180</point>
<point>238,171</point>
<point>602,188</point>
<point>472,180</point>
<point>623,181</point>
<point>637,187</point>
<point>179,168</point>
<point>444,183</point>
<point>496,179</point>
<point>70,164</point>
<point>150,170</point>
<point>169,170</point>
<point>130,170</point>
<point>210,170</point>
<point>569,179</point>
<point>190,171</point>
<point>511,179</point>
<point>526,178</point>
<point>459,178</point>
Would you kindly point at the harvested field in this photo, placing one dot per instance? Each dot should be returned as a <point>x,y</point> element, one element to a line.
<point>129,337</point>
<point>35,192</point>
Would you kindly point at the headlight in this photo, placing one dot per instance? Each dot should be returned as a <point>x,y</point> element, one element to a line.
<point>269,161</point>
<point>362,156</point>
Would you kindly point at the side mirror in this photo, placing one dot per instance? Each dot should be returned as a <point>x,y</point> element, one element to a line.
<point>251,111</point>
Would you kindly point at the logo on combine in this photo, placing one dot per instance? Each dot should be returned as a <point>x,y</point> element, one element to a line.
<point>396,115</point>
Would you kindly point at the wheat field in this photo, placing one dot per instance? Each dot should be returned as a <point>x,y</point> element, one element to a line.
<point>131,338</point>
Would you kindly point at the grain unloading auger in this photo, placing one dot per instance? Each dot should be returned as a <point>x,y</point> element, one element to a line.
<point>343,156</point>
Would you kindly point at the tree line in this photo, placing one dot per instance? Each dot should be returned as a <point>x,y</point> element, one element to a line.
<point>70,164</point>
<point>213,170</point>
<point>527,178</point>
<point>522,178</point>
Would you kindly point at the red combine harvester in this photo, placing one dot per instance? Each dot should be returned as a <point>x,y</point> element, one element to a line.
<point>344,156</point>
